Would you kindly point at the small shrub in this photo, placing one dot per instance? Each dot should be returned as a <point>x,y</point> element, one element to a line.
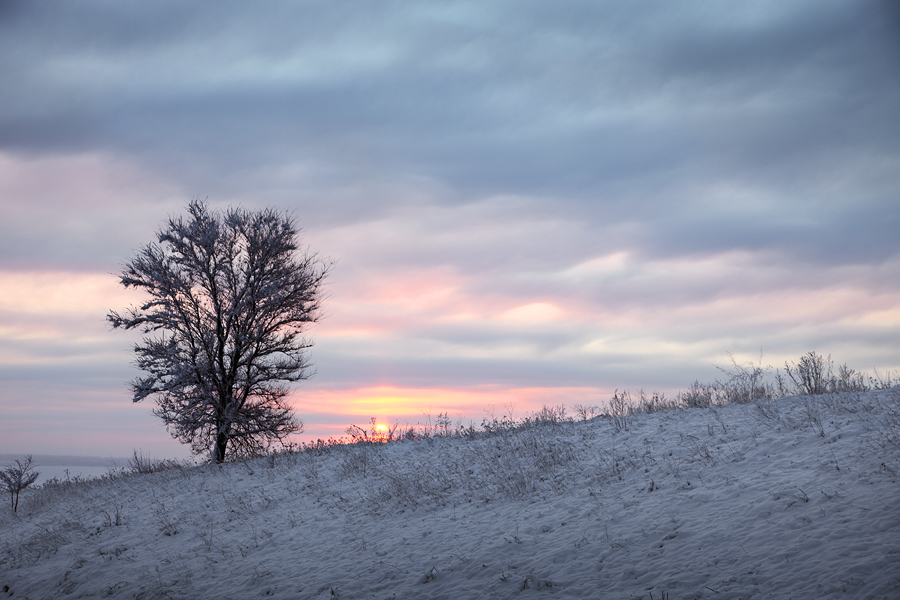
<point>586,412</point>
<point>320,446</point>
<point>491,424</point>
<point>357,462</point>
<point>376,434</point>
<point>619,407</point>
<point>16,478</point>
<point>813,417</point>
<point>548,415</point>
<point>443,425</point>
<point>884,382</point>
<point>745,382</point>
<point>698,396</point>
<point>811,374</point>
<point>138,463</point>
<point>655,402</point>
<point>814,374</point>
<point>849,380</point>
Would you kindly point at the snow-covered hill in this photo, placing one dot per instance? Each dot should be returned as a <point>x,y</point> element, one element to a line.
<point>791,498</point>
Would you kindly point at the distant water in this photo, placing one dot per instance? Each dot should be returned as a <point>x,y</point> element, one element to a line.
<point>62,467</point>
<point>70,472</point>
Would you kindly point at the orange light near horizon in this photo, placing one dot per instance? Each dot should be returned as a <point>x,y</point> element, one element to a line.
<point>381,433</point>
<point>329,412</point>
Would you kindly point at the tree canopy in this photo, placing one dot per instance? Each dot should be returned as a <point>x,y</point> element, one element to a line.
<point>230,296</point>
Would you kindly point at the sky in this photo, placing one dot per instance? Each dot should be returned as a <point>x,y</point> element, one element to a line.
<point>528,203</point>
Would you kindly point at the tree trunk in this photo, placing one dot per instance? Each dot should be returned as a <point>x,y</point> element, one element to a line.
<point>221,444</point>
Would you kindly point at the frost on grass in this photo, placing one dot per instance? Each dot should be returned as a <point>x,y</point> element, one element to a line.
<point>795,497</point>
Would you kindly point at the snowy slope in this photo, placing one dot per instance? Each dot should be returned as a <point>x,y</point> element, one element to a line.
<point>792,498</point>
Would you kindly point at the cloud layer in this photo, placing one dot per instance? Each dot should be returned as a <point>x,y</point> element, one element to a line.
<point>521,196</point>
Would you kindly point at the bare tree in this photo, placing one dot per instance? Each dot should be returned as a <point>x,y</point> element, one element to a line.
<point>16,478</point>
<point>230,297</point>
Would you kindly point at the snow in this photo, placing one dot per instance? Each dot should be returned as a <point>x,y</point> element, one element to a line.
<point>790,498</point>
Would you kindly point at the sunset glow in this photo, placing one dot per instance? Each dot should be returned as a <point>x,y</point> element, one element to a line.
<point>420,407</point>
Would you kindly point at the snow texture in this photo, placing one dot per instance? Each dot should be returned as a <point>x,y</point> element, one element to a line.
<point>790,498</point>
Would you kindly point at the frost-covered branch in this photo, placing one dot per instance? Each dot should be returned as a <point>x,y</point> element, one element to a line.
<point>16,478</point>
<point>229,298</point>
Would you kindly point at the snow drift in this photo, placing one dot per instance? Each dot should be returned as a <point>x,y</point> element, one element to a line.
<point>791,498</point>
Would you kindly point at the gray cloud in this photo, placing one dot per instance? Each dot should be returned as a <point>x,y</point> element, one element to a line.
<point>488,99</point>
<point>615,113</point>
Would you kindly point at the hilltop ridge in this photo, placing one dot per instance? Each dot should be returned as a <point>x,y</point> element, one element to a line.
<point>795,497</point>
